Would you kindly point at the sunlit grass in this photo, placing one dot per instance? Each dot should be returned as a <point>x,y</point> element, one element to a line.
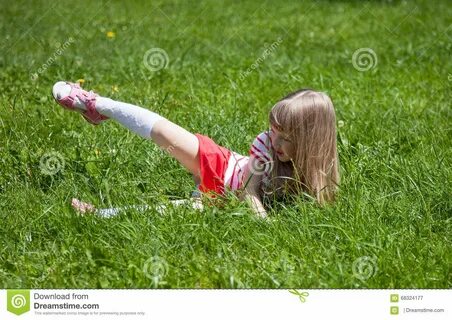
<point>394,211</point>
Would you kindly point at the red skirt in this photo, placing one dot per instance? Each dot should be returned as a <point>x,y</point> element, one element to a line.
<point>213,162</point>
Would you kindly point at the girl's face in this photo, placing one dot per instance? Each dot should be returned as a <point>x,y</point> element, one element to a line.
<point>282,144</point>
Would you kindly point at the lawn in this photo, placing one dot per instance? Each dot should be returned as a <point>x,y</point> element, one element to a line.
<point>225,64</point>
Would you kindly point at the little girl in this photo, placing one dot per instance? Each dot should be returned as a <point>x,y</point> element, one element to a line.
<point>296,156</point>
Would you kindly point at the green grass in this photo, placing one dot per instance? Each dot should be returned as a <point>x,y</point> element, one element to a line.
<point>394,211</point>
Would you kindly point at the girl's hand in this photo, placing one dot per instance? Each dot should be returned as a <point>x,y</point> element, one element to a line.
<point>262,213</point>
<point>255,202</point>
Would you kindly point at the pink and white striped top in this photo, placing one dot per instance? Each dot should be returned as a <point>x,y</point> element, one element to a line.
<point>261,148</point>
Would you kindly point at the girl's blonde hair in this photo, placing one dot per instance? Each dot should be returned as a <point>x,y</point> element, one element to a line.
<point>308,118</point>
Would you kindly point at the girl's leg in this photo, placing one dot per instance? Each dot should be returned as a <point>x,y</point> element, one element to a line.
<point>87,208</point>
<point>180,143</point>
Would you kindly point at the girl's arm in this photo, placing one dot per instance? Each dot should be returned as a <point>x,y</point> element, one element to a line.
<point>252,184</point>
<point>256,204</point>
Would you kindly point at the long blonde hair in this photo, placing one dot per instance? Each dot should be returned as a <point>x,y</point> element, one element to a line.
<point>308,118</point>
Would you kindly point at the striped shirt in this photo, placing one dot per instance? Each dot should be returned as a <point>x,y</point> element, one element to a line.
<point>261,149</point>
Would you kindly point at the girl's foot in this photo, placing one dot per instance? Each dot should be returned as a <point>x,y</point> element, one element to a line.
<point>71,96</point>
<point>82,207</point>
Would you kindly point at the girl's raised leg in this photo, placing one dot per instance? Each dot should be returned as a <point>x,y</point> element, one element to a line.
<point>177,141</point>
<point>180,143</point>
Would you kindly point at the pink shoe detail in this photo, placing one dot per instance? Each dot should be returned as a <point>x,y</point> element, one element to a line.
<point>89,100</point>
